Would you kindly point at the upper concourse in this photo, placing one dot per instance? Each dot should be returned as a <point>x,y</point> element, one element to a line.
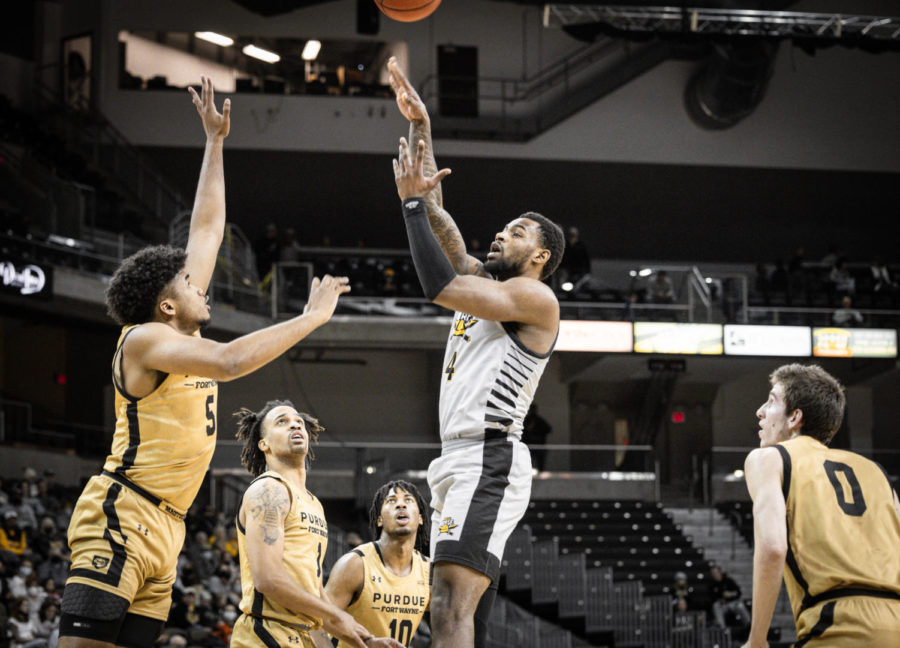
<point>834,110</point>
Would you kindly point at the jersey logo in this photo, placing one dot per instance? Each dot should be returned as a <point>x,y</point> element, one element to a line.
<point>462,325</point>
<point>447,526</point>
<point>376,579</point>
<point>99,562</point>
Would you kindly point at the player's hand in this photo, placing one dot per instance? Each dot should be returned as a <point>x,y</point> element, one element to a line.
<point>408,101</point>
<point>384,642</point>
<point>344,627</point>
<point>753,645</point>
<point>216,125</point>
<point>409,174</point>
<point>323,296</point>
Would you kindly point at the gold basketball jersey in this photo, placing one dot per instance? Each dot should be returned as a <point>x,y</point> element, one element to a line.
<point>390,605</point>
<point>164,441</point>
<point>843,529</point>
<point>305,542</point>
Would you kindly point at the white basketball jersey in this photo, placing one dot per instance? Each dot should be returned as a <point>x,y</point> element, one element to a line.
<point>489,380</point>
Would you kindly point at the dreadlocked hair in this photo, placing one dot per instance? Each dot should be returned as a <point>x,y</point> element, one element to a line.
<point>250,432</point>
<point>378,501</point>
<point>135,288</point>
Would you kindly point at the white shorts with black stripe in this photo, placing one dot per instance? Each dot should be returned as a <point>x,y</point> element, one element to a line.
<point>479,492</point>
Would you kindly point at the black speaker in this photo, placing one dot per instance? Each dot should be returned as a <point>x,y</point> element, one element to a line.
<point>367,17</point>
<point>457,81</point>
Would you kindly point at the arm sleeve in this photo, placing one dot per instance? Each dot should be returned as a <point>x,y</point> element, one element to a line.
<point>432,266</point>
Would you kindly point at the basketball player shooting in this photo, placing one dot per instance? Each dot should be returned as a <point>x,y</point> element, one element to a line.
<point>127,528</point>
<point>503,333</point>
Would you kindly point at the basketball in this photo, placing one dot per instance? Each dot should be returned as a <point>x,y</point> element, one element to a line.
<point>407,10</point>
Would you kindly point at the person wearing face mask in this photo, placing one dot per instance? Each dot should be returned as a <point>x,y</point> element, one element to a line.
<point>17,584</point>
<point>225,625</point>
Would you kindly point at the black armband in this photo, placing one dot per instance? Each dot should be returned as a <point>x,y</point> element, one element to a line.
<point>432,266</point>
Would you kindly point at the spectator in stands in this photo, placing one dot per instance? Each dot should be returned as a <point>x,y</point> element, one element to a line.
<point>353,539</point>
<point>726,597</point>
<point>830,257</point>
<point>797,279</point>
<point>846,315</point>
<point>231,545</point>
<point>48,538</point>
<point>21,630</point>
<point>761,282</point>
<point>17,583</point>
<point>778,281</point>
<point>47,626</point>
<point>13,539</point>
<point>680,588</point>
<point>55,568</point>
<point>225,623</point>
<point>290,248</point>
<point>681,616</point>
<point>201,556</point>
<point>841,280</point>
<point>267,248</point>
<point>575,266</point>
<point>661,290</point>
<point>535,430</point>
<point>881,278</point>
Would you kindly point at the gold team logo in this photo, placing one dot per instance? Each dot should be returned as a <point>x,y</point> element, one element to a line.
<point>447,526</point>
<point>462,325</point>
<point>99,562</point>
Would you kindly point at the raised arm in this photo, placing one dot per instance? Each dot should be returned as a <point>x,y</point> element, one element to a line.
<point>763,470</point>
<point>208,217</point>
<point>157,347</point>
<point>442,224</point>
<point>263,511</point>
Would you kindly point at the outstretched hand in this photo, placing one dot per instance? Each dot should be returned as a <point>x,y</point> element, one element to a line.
<point>408,101</point>
<point>323,296</point>
<point>216,125</point>
<point>410,175</point>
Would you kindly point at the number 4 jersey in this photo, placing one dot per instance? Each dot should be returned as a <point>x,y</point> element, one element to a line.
<point>489,380</point>
<point>843,529</point>
<point>390,605</point>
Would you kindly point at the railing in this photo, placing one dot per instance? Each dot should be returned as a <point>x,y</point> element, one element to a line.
<point>92,134</point>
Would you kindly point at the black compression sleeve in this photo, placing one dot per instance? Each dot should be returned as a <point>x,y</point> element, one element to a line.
<point>432,266</point>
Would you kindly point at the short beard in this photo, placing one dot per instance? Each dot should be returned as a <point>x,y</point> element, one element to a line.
<point>401,532</point>
<point>501,269</point>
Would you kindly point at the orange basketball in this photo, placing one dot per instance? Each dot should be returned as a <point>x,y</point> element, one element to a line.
<point>407,10</point>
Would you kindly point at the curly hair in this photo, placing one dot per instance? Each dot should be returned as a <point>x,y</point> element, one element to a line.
<point>817,394</point>
<point>378,501</point>
<point>137,285</point>
<point>552,238</point>
<point>250,432</point>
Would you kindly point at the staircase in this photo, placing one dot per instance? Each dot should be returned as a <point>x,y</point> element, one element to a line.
<point>723,545</point>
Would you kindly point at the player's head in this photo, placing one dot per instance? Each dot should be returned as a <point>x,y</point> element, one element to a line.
<point>804,399</point>
<point>277,431</point>
<point>151,285</point>
<point>399,510</point>
<point>531,241</point>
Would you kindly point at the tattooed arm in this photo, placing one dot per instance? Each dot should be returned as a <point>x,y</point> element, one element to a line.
<point>442,224</point>
<point>263,511</point>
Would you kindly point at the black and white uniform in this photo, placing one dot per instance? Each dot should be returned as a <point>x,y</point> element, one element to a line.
<point>481,483</point>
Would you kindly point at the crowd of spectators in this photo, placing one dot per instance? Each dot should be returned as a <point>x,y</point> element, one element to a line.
<point>34,563</point>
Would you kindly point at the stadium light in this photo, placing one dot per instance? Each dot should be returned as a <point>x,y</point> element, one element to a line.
<point>213,37</point>
<point>261,54</point>
<point>311,50</point>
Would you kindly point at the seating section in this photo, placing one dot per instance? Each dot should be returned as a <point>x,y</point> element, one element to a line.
<point>604,570</point>
<point>740,515</point>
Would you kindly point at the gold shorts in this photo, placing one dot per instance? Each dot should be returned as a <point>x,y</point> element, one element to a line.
<point>254,632</point>
<point>121,543</point>
<point>851,622</point>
